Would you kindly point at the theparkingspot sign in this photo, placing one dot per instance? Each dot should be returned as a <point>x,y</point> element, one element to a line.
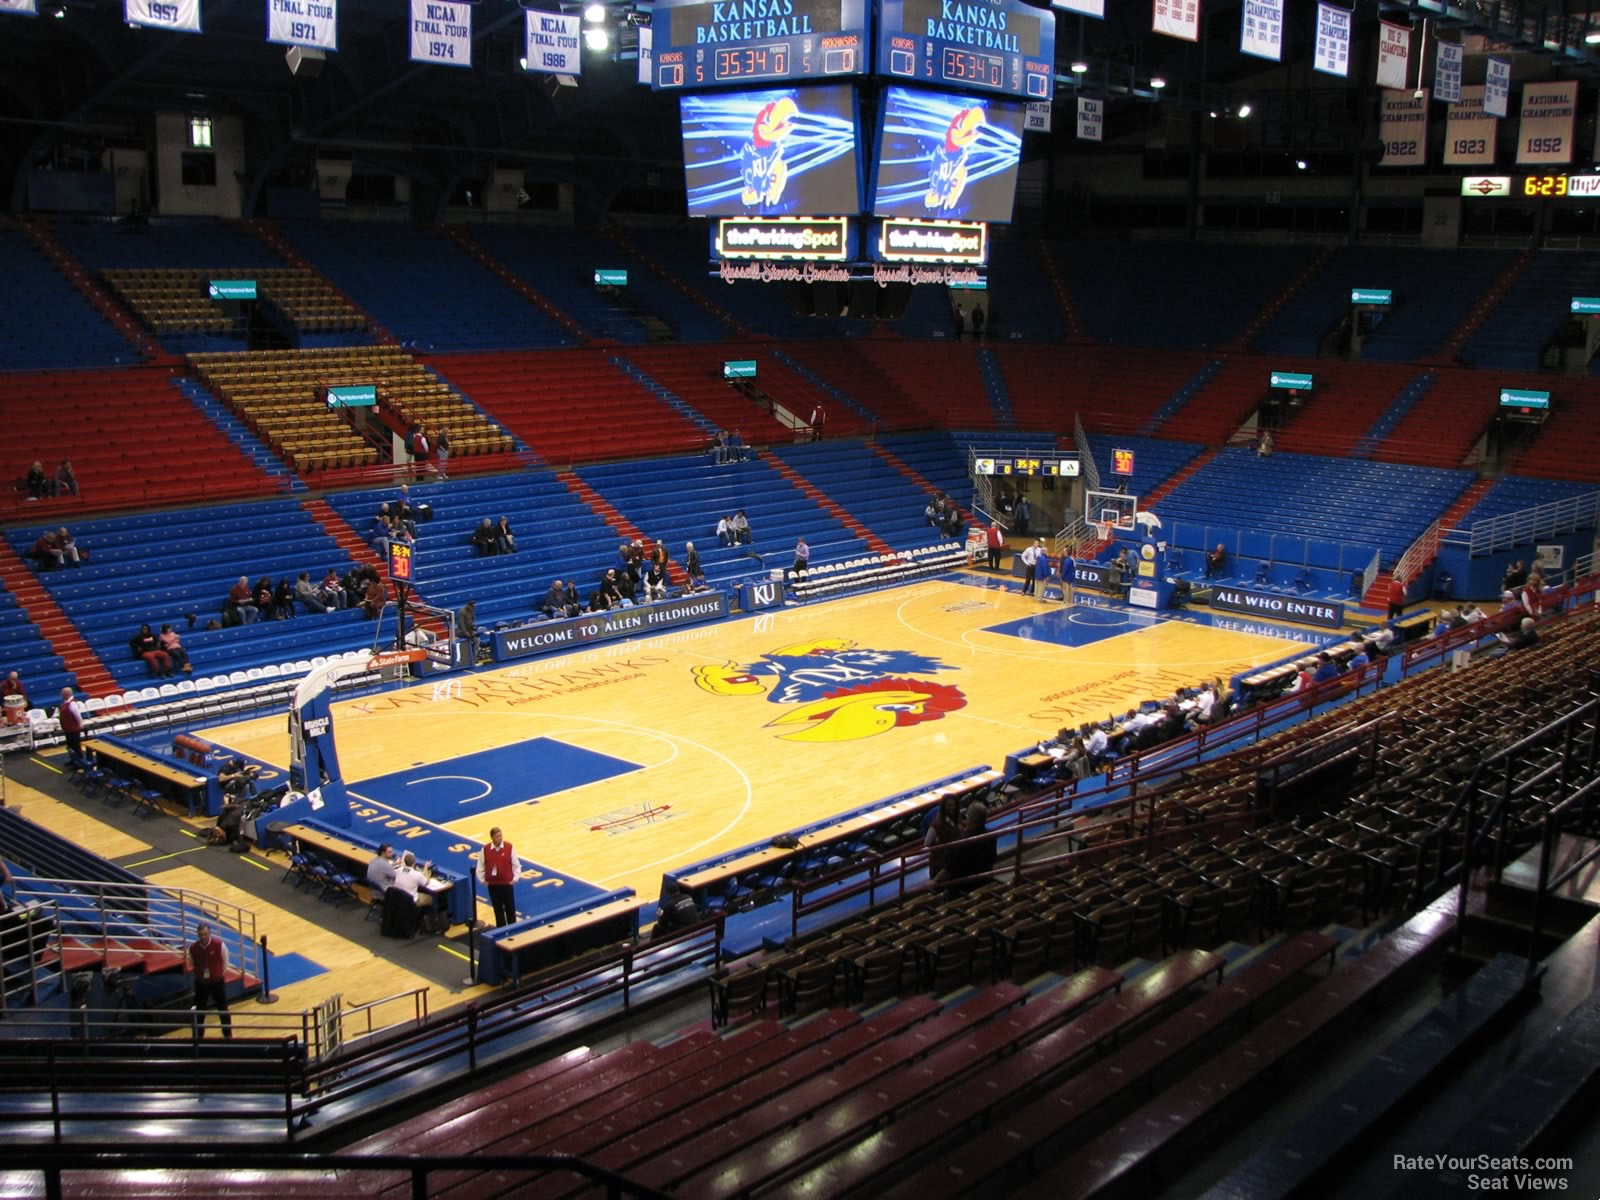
<point>645,619</point>
<point>1278,607</point>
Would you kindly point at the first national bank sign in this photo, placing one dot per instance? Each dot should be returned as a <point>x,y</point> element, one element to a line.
<point>1282,608</point>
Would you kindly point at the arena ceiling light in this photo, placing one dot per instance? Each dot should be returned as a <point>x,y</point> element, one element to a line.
<point>1079,67</point>
<point>595,14</point>
<point>1157,83</point>
<point>1244,109</point>
<point>595,37</point>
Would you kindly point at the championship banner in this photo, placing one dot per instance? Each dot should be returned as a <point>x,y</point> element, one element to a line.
<point>1544,134</point>
<point>1447,72</point>
<point>180,15</point>
<point>1332,55</point>
<point>20,8</point>
<point>312,23</point>
<point>1403,128</point>
<point>554,43</point>
<point>1497,87</point>
<point>1469,132</point>
<point>1394,54</point>
<point>1089,8</point>
<point>1261,31</point>
<point>441,33</point>
<point>1176,18</point>
<point>647,54</point>
<point>1091,119</point>
<point>1036,116</point>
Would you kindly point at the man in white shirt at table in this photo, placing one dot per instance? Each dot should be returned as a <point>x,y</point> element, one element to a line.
<point>409,877</point>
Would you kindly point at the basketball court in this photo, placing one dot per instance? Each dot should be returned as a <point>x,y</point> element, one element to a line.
<point>610,766</point>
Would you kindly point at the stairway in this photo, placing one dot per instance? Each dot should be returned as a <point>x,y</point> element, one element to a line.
<point>103,301</point>
<point>1465,503</point>
<point>994,384</point>
<point>741,331</point>
<point>1058,284</point>
<point>1481,311</point>
<point>269,234</point>
<point>54,624</point>
<point>1242,342</point>
<point>875,543</point>
<point>518,284</point>
<point>358,551</point>
<point>624,529</point>
<point>1178,477</point>
<point>911,473</point>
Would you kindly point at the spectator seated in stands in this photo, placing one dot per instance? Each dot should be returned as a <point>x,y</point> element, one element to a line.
<point>147,646</point>
<point>1327,668</point>
<point>38,485</point>
<point>611,587</point>
<point>1521,638</point>
<point>693,569</point>
<point>373,595</point>
<point>1516,575</point>
<point>944,827</point>
<point>239,608</point>
<point>599,601</point>
<point>332,592</point>
<point>725,534</point>
<point>735,447</point>
<point>170,642</point>
<point>678,911</point>
<point>486,538</point>
<point>655,583</point>
<point>1216,561</point>
<point>741,529</point>
<point>971,858</point>
<point>283,599</point>
<point>308,595</point>
<point>505,540</point>
<point>717,447</point>
<point>555,603</point>
<point>1443,625</point>
<point>56,549</point>
<point>66,480</point>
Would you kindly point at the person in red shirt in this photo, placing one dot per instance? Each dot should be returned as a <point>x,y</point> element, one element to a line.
<point>1397,597</point>
<point>71,718</point>
<point>500,870</point>
<point>13,700</point>
<point>208,959</point>
<point>997,545</point>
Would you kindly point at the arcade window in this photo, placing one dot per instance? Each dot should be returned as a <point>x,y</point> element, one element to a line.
<point>200,133</point>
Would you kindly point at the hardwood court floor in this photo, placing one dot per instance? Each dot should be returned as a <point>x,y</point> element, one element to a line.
<point>722,736</point>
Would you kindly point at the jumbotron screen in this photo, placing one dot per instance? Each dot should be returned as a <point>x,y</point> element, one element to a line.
<point>944,155</point>
<point>773,152</point>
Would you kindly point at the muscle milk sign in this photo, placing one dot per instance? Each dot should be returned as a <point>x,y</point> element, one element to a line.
<point>1281,608</point>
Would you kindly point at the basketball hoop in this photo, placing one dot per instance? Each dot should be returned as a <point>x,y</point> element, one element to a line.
<point>1102,530</point>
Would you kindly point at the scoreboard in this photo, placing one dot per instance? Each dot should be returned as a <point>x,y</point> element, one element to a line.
<point>999,46</point>
<point>1062,467</point>
<point>729,42</point>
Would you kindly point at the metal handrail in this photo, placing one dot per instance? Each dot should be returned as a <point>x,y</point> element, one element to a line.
<point>1088,469</point>
<point>1526,524</point>
<point>1417,555</point>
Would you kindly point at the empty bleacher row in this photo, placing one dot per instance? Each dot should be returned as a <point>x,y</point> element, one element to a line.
<point>131,436</point>
<point>275,392</point>
<point>176,300</point>
<point>159,567</point>
<point>1383,504</point>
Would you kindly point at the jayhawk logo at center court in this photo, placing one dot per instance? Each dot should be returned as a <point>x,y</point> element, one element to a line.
<point>834,692</point>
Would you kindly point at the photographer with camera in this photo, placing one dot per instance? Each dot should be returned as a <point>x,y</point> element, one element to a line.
<point>238,782</point>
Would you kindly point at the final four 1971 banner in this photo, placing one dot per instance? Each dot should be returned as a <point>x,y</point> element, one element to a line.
<point>313,23</point>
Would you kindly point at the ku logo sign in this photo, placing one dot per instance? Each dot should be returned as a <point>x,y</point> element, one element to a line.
<point>833,692</point>
<point>764,594</point>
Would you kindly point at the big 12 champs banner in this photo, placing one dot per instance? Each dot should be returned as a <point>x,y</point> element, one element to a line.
<point>1548,112</point>
<point>304,23</point>
<point>1177,18</point>
<point>1447,72</point>
<point>1403,128</point>
<point>1394,54</point>
<point>1469,131</point>
<point>441,32</point>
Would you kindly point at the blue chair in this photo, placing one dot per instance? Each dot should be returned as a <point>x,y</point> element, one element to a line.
<point>299,868</point>
<point>1263,575</point>
<point>1302,581</point>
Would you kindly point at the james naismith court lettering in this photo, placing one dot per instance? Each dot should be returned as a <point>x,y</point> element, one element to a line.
<point>1284,608</point>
